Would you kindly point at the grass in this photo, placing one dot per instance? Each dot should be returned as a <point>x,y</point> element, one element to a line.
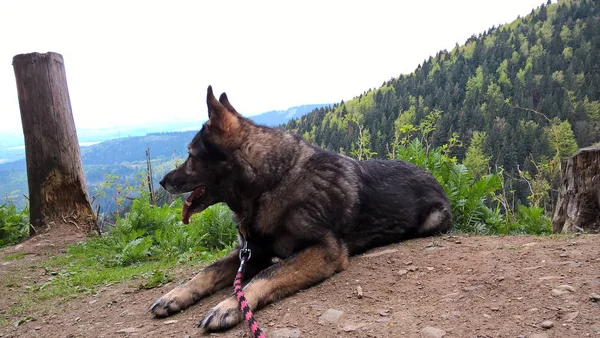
<point>14,256</point>
<point>79,272</point>
<point>144,247</point>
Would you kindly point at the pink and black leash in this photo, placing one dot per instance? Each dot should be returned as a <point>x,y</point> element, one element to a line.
<point>245,255</point>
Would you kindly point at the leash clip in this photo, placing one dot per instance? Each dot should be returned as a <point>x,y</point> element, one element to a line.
<point>245,252</point>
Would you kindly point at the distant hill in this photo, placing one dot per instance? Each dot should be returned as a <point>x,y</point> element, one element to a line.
<point>278,117</point>
<point>532,86</point>
<point>125,156</point>
<point>11,144</point>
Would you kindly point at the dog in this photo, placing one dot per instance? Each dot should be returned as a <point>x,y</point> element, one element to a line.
<point>309,208</point>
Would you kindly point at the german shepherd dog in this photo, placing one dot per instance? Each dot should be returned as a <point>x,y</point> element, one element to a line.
<point>308,207</point>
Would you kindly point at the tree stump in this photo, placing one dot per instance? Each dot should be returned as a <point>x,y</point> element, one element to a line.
<point>578,206</point>
<point>57,190</point>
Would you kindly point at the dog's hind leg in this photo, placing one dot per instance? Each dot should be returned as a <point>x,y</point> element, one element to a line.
<point>297,272</point>
<point>210,279</point>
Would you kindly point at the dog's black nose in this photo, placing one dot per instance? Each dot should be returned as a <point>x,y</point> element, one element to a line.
<point>162,182</point>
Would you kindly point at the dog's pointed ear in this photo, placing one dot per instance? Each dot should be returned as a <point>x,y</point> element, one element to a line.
<point>225,102</point>
<point>214,107</point>
<point>220,118</point>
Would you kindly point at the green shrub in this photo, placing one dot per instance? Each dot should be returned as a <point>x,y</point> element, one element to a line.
<point>14,225</point>
<point>532,220</point>
<point>470,198</point>
<point>156,233</point>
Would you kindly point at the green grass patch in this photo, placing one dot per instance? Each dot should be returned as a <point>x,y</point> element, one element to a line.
<point>14,256</point>
<point>144,247</point>
<point>157,279</point>
<point>81,272</point>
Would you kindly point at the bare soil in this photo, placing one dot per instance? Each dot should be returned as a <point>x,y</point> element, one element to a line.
<point>465,286</point>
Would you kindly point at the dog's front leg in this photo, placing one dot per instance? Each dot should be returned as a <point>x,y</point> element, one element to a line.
<point>297,272</point>
<point>210,279</point>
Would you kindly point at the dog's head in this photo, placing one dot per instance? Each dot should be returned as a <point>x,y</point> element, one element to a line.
<point>208,168</point>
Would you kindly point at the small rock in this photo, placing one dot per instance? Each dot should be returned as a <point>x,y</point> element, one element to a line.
<point>547,324</point>
<point>129,330</point>
<point>495,308</point>
<point>430,268</point>
<point>549,278</point>
<point>558,292</point>
<point>408,263</point>
<point>412,268</point>
<point>187,336</point>
<point>384,313</point>
<point>432,332</point>
<point>92,302</point>
<point>566,288</point>
<point>500,279</point>
<point>487,316</point>
<point>330,316</point>
<point>359,292</point>
<point>569,317</point>
<point>353,327</point>
<point>37,328</point>
<point>402,272</point>
<point>563,255</point>
<point>594,297</point>
<point>285,333</point>
<point>172,321</point>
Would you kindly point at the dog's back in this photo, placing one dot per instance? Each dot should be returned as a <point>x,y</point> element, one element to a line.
<point>397,201</point>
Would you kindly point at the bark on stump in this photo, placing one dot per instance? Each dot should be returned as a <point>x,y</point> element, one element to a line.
<point>578,206</point>
<point>57,190</point>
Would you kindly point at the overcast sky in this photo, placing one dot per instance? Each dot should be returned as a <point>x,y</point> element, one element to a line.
<point>134,61</point>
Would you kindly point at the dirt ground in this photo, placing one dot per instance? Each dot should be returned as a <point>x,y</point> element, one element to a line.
<point>444,286</point>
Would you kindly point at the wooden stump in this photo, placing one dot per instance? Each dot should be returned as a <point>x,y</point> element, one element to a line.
<point>57,190</point>
<point>578,206</point>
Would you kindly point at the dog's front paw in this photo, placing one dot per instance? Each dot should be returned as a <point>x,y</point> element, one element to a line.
<point>176,300</point>
<point>222,316</point>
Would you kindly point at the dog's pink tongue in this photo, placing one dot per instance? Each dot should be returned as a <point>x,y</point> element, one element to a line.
<point>186,212</point>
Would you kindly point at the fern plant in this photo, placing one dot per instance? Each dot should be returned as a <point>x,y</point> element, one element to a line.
<point>14,225</point>
<point>470,198</point>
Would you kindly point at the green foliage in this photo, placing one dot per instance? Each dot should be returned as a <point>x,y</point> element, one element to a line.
<point>532,220</point>
<point>475,158</point>
<point>145,244</point>
<point>562,138</point>
<point>542,62</point>
<point>468,196</point>
<point>154,233</point>
<point>478,204</point>
<point>157,279</point>
<point>14,225</point>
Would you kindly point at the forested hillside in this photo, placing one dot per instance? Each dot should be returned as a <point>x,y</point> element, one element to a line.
<point>519,97</point>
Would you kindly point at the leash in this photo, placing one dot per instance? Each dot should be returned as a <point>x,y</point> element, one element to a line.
<point>245,255</point>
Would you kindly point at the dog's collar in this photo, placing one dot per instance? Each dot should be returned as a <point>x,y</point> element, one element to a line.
<point>243,228</point>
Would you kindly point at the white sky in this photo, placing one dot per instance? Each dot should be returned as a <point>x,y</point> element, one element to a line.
<point>130,62</point>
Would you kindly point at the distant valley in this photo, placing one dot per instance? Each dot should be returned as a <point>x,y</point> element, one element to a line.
<point>121,152</point>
